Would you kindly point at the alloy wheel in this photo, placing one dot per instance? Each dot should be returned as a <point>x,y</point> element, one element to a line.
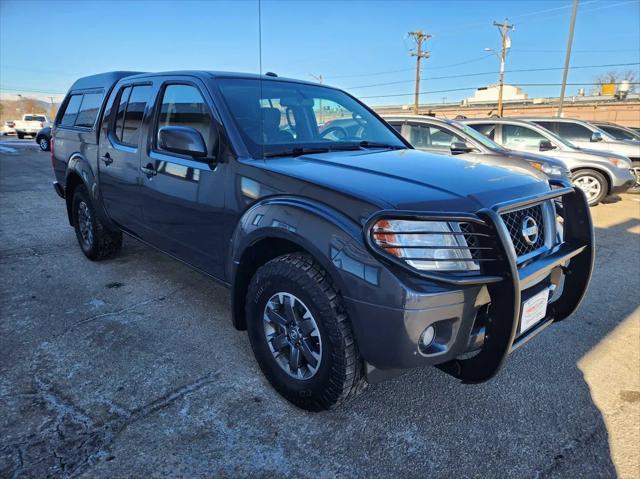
<point>85,224</point>
<point>590,185</point>
<point>292,335</point>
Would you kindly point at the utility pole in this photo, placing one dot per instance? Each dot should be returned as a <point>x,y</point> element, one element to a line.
<point>567,57</point>
<point>51,107</point>
<point>506,44</point>
<point>419,37</point>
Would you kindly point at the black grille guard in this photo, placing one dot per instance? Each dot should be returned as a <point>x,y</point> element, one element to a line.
<point>577,250</point>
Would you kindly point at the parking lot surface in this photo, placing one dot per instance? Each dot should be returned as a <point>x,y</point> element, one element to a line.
<point>131,368</point>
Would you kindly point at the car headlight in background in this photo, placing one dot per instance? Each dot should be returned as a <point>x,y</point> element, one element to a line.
<point>425,245</point>
<point>620,163</point>
<point>551,170</point>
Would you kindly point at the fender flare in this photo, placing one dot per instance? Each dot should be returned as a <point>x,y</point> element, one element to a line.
<point>80,166</point>
<point>298,221</point>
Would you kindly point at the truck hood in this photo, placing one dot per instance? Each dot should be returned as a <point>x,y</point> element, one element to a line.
<point>413,180</point>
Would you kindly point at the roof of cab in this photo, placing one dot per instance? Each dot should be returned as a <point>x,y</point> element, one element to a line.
<point>108,79</point>
<point>101,80</point>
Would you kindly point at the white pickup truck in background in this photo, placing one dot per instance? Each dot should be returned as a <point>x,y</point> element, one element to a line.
<point>30,125</point>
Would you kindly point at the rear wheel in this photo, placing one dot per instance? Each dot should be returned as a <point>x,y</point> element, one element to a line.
<point>593,184</point>
<point>96,241</point>
<point>300,333</point>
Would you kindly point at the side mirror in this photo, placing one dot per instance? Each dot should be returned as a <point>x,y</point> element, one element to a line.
<point>183,140</point>
<point>546,145</point>
<point>596,136</point>
<point>459,147</point>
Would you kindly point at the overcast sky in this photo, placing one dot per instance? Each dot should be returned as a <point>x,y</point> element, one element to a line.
<point>362,46</point>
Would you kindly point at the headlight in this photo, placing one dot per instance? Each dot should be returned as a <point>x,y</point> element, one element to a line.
<point>425,245</point>
<point>547,169</point>
<point>620,163</point>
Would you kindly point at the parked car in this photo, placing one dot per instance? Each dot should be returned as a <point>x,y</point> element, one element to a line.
<point>587,135</point>
<point>619,132</point>
<point>8,128</point>
<point>43,138</point>
<point>348,260</point>
<point>451,137</point>
<point>30,125</point>
<point>597,173</point>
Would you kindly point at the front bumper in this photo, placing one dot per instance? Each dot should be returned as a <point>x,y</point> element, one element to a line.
<point>622,181</point>
<point>483,317</point>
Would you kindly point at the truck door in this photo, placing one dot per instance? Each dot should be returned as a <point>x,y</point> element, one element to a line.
<point>183,202</point>
<point>119,156</point>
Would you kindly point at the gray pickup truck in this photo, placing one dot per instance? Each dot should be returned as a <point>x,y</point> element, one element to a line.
<point>350,256</point>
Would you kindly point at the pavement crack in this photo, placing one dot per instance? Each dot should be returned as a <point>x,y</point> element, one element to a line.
<point>72,441</point>
<point>119,311</point>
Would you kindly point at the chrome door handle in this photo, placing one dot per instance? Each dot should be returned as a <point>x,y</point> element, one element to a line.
<point>149,170</point>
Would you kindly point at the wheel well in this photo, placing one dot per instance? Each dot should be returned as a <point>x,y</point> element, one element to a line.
<point>598,170</point>
<point>253,257</point>
<point>73,180</point>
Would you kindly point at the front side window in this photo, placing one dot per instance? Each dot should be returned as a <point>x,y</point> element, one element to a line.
<point>574,132</point>
<point>89,109</point>
<point>516,137</point>
<point>71,111</point>
<point>280,118</point>
<point>432,137</point>
<point>183,105</point>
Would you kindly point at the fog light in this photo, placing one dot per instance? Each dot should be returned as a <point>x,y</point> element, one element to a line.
<point>427,336</point>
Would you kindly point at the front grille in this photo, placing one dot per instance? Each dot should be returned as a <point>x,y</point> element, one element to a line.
<point>514,221</point>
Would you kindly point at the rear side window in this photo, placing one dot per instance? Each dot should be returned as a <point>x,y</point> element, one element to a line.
<point>183,105</point>
<point>487,129</point>
<point>71,111</point>
<point>89,110</point>
<point>133,101</point>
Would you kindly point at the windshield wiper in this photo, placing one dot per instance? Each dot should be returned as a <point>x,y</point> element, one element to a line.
<point>300,150</point>
<point>375,144</point>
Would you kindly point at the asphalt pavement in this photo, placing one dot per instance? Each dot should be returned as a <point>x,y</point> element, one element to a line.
<point>131,368</point>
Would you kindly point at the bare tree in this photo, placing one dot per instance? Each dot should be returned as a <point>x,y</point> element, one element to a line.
<point>618,76</point>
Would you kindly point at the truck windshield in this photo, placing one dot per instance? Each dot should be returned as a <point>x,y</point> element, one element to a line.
<point>280,118</point>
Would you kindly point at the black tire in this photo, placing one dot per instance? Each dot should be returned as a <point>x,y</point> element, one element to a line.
<point>595,178</point>
<point>635,189</point>
<point>43,143</point>
<point>96,241</point>
<point>20,136</point>
<point>339,375</point>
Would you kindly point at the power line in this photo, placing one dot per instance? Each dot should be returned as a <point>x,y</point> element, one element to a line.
<point>522,70</point>
<point>478,87</point>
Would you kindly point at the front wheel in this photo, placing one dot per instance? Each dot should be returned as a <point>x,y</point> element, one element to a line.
<point>593,183</point>
<point>97,242</point>
<point>20,136</point>
<point>300,333</point>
